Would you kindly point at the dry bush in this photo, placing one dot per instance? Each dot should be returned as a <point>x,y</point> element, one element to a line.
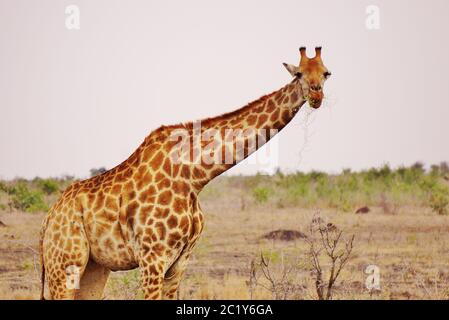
<point>286,277</point>
<point>329,252</point>
<point>279,278</point>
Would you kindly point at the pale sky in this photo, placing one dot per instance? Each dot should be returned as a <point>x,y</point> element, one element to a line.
<point>71,100</point>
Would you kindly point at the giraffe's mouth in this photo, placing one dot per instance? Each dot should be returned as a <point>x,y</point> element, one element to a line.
<point>314,103</point>
<point>315,99</point>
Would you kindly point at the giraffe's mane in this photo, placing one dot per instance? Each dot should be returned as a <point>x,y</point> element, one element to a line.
<point>224,116</point>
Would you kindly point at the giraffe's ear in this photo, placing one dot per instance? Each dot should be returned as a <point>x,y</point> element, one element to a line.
<point>292,69</point>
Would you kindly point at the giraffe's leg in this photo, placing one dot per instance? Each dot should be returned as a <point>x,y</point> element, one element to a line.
<point>173,277</point>
<point>174,274</point>
<point>66,252</point>
<point>152,266</point>
<point>151,282</point>
<point>93,282</point>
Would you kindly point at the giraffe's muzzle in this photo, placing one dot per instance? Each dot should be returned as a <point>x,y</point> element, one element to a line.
<point>315,98</point>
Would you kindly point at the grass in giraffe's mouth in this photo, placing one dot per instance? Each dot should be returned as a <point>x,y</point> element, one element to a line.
<point>314,103</point>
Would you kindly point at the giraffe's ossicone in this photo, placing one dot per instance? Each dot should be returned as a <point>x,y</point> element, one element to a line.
<point>144,213</point>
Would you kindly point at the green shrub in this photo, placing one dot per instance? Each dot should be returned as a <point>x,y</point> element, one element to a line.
<point>97,171</point>
<point>4,187</point>
<point>27,200</point>
<point>404,185</point>
<point>261,194</point>
<point>439,201</point>
<point>48,186</point>
<point>444,168</point>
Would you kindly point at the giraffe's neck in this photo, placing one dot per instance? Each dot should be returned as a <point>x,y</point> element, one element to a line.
<point>228,139</point>
<point>212,146</point>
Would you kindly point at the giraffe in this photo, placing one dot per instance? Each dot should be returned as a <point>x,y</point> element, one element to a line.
<point>144,213</point>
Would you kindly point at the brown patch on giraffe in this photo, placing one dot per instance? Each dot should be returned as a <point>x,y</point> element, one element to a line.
<point>148,195</point>
<point>259,109</point>
<point>109,245</point>
<point>173,238</point>
<point>198,173</point>
<point>164,184</point>
<point>184,224</point>
<point>140,172</point>
<point>56,236</point>
<point>119,178</point>
<point>91,198</point>
<point>144,180</point>
<point>165,197</point>
<point>161,213</point>
<point>215,173</point>
<point>143,214</point>
<point>176,169</point>
<point>270,106</point>
<point>111,204</point>
<point>277,125</point>
<point>275,115</point>
<point>153,269</point>
<point>160,229</point>
<point>181,187</point>
<point>185,173</point>
<point>147,154</point>
<point>252,119</point>
<point>172,222</point>
<point>285,116</point>
<point>158,249</point>
<point>128,172</point>
<point>294,96</point>
<point>149,232</point>
<point>131,210</point>
<point>179,205</point>
<point>262,119</point>
<point>167,166</point>
<point>132,160</point>
<point>116,189</point>
<point>145,211</point>
<point>234,121</point>
<point>279,96</point>
<point>156,162</point>
<point>117,231</point>
<point>151,236</point>
<point>159,177</point>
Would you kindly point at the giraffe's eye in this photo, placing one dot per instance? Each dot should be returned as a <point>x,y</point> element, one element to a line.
<point>298,75</point>
<point>327,74</point>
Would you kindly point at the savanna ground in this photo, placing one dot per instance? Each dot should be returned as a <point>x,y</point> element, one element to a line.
<point>405,234</point>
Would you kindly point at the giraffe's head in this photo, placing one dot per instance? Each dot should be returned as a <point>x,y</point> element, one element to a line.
<point>311,74</point>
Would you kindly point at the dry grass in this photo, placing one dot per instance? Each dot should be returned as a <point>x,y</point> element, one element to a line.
<point>410,248</point>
